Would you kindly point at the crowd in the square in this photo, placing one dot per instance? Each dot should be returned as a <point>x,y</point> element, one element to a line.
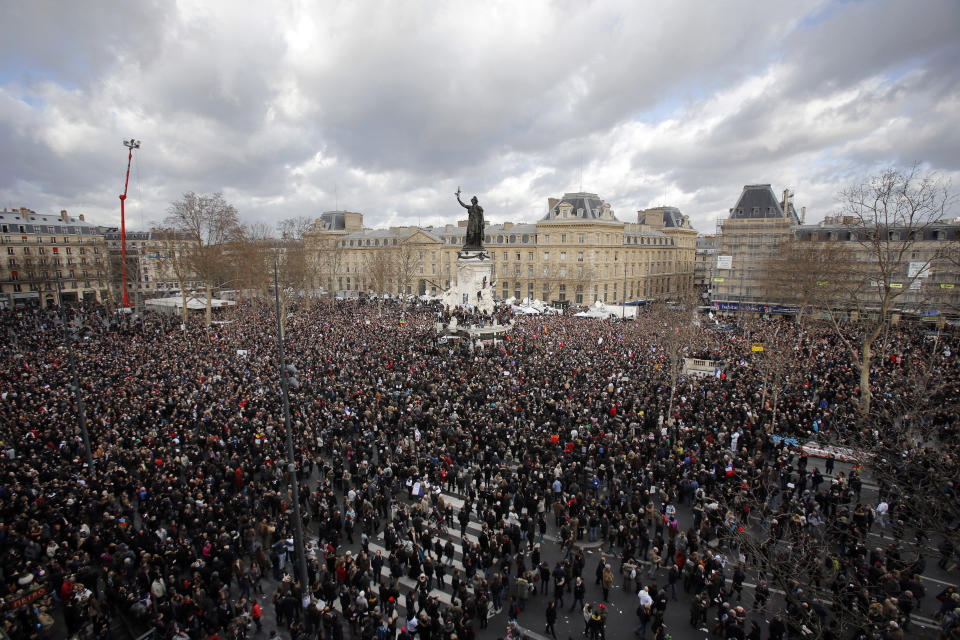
<point>567,429</point>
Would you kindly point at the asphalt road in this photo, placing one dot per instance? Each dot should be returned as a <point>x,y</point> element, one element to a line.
<point>621,607</point>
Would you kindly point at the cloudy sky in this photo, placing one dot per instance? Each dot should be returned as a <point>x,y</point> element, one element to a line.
<point>294,107</point>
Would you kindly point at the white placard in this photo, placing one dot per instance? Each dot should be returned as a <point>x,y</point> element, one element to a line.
<point>918,270</point>
<point>724,262</point>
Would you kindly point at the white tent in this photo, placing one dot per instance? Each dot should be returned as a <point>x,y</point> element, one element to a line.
<point>175,304</point>
<point>535,307</point>
<point>604,311</point>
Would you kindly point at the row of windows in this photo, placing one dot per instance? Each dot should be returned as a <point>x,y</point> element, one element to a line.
<point>45,275</point>
<point>22,228</point>
<point>50,240</point>
<point>892,236</point>
<point>512,239</point>
<point>70,284</point>
<point>42,251</point>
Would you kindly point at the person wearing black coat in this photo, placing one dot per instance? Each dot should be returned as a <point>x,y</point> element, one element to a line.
<point>551,618</point>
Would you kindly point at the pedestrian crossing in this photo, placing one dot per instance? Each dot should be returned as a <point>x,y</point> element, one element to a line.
<point>449,533</point>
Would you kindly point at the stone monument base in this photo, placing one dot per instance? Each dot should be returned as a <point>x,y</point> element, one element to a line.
<point>474,285</point>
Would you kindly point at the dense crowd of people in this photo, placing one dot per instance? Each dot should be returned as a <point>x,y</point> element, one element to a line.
<point>576,429</point>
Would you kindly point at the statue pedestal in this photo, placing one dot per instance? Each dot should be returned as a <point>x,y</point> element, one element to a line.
<point>474,279</point>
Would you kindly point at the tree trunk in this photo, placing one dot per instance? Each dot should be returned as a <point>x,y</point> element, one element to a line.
<point>208,312</point>
<point>183,298</point>
<point>673,390</point>
<point>865,359</point>
<point>776,398</point>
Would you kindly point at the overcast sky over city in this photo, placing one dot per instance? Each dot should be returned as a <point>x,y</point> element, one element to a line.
<point>295,108</point>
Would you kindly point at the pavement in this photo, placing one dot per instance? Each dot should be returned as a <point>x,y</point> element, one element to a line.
<point>622,604</point>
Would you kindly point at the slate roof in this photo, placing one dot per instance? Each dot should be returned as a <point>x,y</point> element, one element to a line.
<point>672,217</point>
<point>586,206</point>
<point>47,223</point>
<point>333,220</point>
<point>759,201</point>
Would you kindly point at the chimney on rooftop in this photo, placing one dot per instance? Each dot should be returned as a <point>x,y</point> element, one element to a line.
<point>64,216</point>
<point>803,215</point>
<point>82,219</point>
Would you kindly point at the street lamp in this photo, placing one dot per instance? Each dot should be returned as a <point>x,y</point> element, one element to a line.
<point>291,460</point>
<point>130,144</point>
<point>71,353</point>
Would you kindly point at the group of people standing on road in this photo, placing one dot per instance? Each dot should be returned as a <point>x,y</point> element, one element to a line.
<point>572,433</point>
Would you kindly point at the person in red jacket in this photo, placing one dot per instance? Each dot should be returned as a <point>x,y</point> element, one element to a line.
<point>66,589</point>
<point>256,613</point>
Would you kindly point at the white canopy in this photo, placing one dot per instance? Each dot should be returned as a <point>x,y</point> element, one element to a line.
<point>193,303</point>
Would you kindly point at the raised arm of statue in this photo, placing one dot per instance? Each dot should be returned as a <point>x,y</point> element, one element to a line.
<point>465,206</point>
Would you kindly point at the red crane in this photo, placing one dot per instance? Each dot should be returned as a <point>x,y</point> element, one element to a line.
<point>130,144</point>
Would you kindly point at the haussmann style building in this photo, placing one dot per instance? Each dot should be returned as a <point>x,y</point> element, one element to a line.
<point>579,252</point>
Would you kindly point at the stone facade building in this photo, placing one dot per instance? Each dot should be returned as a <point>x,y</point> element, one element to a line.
<point>756,227</point>
<point>577,253</point>
<point>746,275</point>
<point>49,258</point>
<point>150,265</point>
<point>925,282</point>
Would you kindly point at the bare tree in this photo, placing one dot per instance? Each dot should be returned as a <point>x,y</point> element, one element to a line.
<point>329,260</point>
<point>176,257</point>
<point>379,268</point>
<point>210,222</point>
<point>911,441</point>
<point>293,276</point>
<point>250,257</point>
<point>770,346</point>
<point>888,216</point>
<point>583,278</point>
<point>550,282</point>
<point>294,228</point>
<point>406,264</point>
<point>799,274</point>
<point>679,329</point>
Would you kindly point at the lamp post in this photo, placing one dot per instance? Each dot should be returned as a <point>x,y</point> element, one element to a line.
<point>291,460</point>
<point>72,355</point>
<point>130,144</point>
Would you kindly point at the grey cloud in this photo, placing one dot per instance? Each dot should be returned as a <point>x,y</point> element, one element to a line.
<point>403,104</point>
<point>75,43</point>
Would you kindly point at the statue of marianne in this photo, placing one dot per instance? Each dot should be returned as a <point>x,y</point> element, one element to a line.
<point>474,238</point>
